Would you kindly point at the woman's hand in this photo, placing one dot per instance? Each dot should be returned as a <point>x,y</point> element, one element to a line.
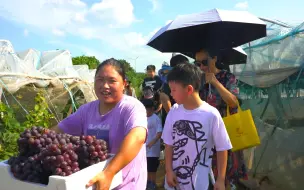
<point>210,78</point>
<point>102,181</point>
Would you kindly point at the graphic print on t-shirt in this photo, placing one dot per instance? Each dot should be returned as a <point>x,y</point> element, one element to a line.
<point>101,131</point>
<point>189,134</point>
<point>155,83</point>
<point>150,83</point>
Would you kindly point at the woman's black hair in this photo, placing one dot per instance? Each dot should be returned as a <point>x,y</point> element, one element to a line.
<point>212,53</point>
<point>119,67</point>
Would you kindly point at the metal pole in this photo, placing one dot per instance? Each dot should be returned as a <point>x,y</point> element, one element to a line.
<point>134,61</point>
<point>275,22</point>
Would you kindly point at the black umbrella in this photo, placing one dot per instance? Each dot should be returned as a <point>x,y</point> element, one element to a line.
<point>218,29</point>
<point>231,56</point>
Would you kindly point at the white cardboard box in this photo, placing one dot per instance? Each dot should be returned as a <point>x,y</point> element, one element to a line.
<point>76,181</point>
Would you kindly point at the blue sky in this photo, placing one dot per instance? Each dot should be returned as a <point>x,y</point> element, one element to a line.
<point>115,28</point>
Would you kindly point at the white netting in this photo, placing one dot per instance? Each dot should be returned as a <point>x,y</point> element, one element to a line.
<point>271,85</point>
<point>23,74</point>
<point>273,58</point>
<point>28,61</point>
<point>57,63</point>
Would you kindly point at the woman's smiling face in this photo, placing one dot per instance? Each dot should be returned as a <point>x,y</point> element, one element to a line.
<point>109,85</point>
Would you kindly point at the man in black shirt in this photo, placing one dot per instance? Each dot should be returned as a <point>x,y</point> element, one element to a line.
<point>152,80</point>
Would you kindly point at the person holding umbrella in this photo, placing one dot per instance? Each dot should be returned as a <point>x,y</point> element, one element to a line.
<point>222,93</point>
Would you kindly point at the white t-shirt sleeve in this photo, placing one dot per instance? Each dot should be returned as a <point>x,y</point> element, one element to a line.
<point>168,130</point>
<point>219,133</point>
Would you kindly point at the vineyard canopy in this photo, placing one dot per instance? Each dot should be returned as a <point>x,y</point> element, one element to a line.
<point>23,74</point>
<point>272,87</point>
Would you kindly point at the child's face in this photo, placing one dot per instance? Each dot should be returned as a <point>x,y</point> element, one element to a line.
<point>150,73</point>
<point>179,92</point>
<point>149,111</point>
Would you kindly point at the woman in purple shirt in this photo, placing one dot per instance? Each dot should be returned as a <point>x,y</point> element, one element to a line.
<point>120,120</point>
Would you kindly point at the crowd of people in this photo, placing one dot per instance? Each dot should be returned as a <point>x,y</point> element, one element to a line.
<point>181,108</point>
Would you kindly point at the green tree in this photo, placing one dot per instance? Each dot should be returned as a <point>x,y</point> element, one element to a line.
<point>135,78</point>
<point>127,66</point>
<point>91,61</point>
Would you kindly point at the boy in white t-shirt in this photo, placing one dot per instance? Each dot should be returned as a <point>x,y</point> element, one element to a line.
<point>192,129</point>
<point>153,143</point>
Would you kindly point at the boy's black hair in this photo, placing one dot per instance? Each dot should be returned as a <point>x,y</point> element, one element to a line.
<point>148,103</point>
<point>186,74</point>
<point>178,59</point>
<point>150,68</point>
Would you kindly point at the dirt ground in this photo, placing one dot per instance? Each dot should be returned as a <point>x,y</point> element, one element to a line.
<point>250,184</point>
<point>160,176</point>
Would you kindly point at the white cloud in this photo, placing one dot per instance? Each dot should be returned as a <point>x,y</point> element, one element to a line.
<point>242,5</point>
<point>25,32</point>
<point>119,12</point>
<point>61,2</point>
<point>87,33</point>
<point>80,17</point>
<point>85,50</point>
<point>134,39</point>
<point>43,14</point>
<point>58,32</point>
<point>98,22</point>
<point>155,5</point>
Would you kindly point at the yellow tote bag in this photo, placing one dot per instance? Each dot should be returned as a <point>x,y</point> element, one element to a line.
<point>241,129</point>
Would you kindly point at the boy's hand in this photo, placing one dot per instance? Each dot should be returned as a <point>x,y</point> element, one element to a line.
<point>219,185</point>
<point>150,144</point>
<point>171,179</point>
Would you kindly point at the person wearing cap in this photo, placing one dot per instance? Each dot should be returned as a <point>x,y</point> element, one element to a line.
<point>152,79</point>
<point>129,90</point>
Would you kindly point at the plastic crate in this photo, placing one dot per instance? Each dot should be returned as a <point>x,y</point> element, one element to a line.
<point>76,181</point>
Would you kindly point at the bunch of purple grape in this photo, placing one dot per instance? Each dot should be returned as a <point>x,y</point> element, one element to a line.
<point>28,169</point>
<point>33,140</point>
<point>43,152</point>
<point>91,151</point>
<point>59,160</point>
